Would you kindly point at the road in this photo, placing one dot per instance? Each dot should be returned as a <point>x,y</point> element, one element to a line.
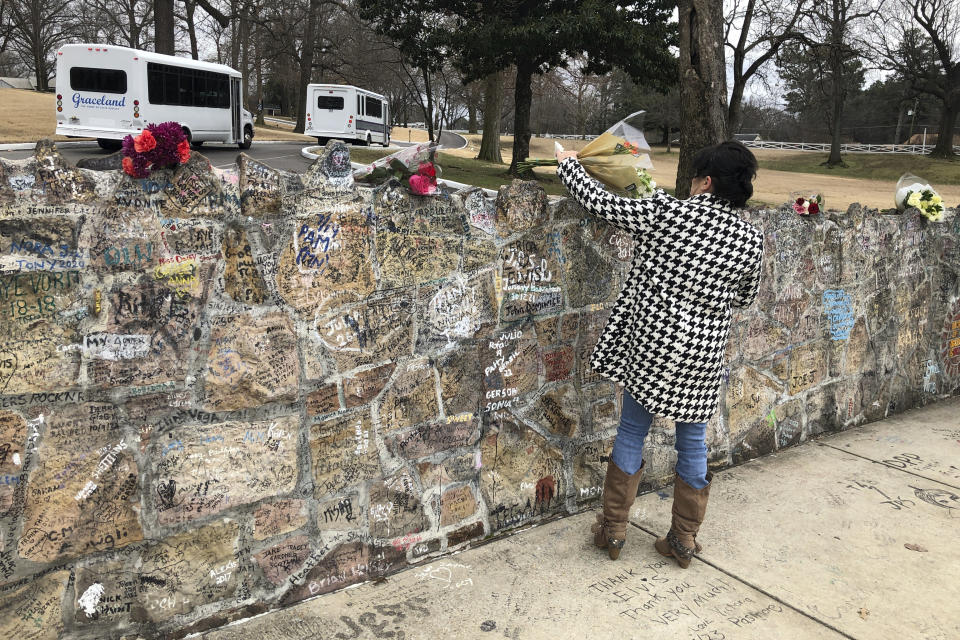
<point>279,155</point>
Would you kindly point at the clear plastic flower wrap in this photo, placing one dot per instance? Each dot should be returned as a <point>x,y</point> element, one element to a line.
<point>615,158</point>
<point>914,191</point>
<point>414,166</point>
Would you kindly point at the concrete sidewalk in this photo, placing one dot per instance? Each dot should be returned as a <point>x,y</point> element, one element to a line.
<point>851,536</point>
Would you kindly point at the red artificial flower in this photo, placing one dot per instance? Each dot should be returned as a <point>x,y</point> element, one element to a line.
<point>183,150</point>
<point>423,185</point>
<point>128,167</point>
<point>427,169</point>
<point>814,207</point>
<point>144,142</point>
<point>800,201</point>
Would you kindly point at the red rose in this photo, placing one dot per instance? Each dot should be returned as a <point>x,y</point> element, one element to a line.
<point>814,208</point>
<point>800,201</point>
<point>128,167</point>
<point>144,142</point>
<point>183,150</point>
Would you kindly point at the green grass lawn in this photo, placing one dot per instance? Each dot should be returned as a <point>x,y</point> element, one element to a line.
<point>887,167</point>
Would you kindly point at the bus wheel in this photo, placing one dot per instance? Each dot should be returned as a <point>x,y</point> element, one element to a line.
<point>109,145</point>
<point>321,141</point>
<point>247,138</point>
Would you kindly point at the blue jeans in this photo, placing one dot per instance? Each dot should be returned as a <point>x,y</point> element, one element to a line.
<point>690,442</point>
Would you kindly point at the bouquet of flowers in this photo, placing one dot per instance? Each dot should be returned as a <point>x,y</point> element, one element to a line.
<point>807,205</point>
<point>414,166</point>
<point>916,192</point>
<point>615,158</point>
<point>157,146</point>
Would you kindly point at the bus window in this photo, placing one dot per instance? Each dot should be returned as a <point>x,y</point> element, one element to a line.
<point>179,86</point>
<point>374,107</point>
<point>330,102</point>
<point>98,80</point>
<point>359,110</point>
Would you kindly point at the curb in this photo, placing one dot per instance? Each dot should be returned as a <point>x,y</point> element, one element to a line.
<point>309,155</point>
<point>27,146</point>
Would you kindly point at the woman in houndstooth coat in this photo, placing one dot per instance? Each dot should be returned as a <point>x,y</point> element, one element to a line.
<point>666,336</point>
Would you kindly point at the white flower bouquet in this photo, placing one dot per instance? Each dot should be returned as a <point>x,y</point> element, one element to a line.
<point>916,192</point>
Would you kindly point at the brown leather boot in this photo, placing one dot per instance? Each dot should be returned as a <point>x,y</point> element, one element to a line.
<point>689,507</point>
<point>619,492</point>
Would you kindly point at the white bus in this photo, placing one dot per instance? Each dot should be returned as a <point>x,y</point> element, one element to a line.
<point>107,92</point>
<point>347,113</point>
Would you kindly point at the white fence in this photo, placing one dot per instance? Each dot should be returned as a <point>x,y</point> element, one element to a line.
<point>824,147</point>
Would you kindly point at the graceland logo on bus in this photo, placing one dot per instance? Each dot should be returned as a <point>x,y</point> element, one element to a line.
<point>102,101</point>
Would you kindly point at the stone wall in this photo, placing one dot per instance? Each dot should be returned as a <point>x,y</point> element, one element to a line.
<point>228,390</point>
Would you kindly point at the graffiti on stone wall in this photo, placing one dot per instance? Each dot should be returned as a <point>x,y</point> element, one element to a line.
<point>240,387</point>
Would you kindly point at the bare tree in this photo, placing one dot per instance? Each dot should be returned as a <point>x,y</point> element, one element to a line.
<point>754,32</point>
<point>920,41</point>
<point>164,23</point>
<point>703,85</point>
<point>6,25</point>
<point>39,27</point>
<point>126,22</point>
<point>581,86</point>
<point>830,31</point>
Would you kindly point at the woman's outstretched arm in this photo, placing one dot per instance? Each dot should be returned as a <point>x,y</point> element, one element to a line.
<point>630,214</point>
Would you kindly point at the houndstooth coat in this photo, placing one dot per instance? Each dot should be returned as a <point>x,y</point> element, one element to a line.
<point>666,337</point>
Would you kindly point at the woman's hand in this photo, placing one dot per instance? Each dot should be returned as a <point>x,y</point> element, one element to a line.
<point>563,155</point>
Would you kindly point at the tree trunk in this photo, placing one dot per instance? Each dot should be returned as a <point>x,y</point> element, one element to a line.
<point>492,103</point>
<point>703,86</point>
<point>133,25</point>
<point>190,9</point>
<point>735,111</point>
<point>428,112</point>
<point>40,68</point>
<point>522,100</point>
<point>163,38</point>
<point>260,64</point>
<point>836,109</point>
<point>245,54</point>
<point>306,63</point>
<point>235,35</point>
<point>896,133</point>
<point>948,120</point>
<point>471,117</point>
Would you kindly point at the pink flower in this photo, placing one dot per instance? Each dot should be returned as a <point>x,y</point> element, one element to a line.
<point>423,185</point>
<point>800,206</point>
<point>183,150</point>
<point>128,167</point>
<point>144,142</point>
<point>427,169</point>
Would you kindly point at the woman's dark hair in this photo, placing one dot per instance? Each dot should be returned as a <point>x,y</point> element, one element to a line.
<point>732,168</point>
